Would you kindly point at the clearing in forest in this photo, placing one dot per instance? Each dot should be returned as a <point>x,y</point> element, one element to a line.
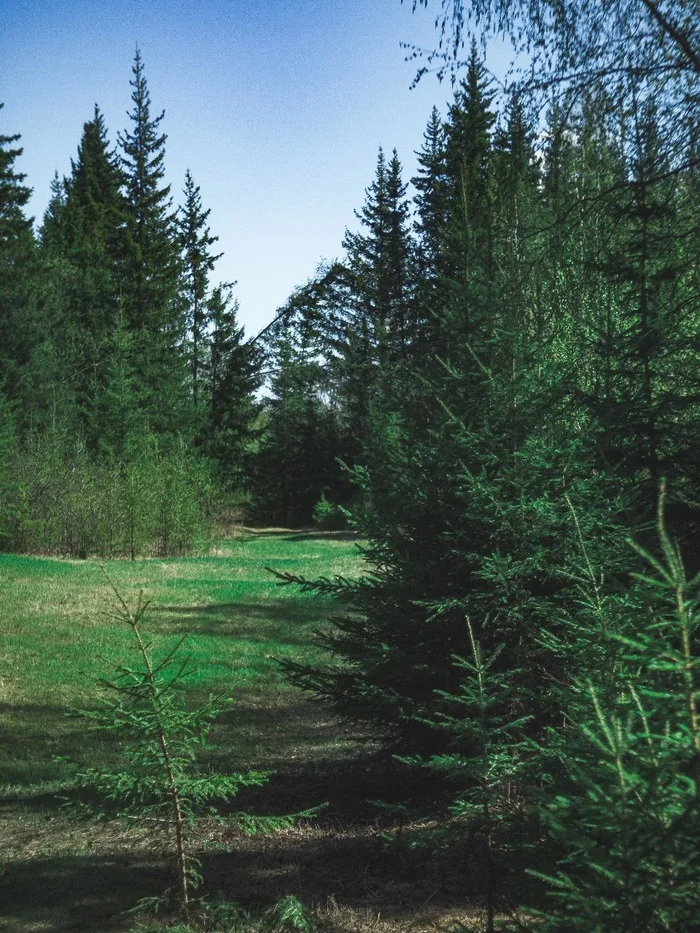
<point>58,874</point>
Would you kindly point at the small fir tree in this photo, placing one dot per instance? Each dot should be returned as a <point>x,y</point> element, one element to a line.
<point>488,760</point>
<point>163,784</point>
<point>621,799</point>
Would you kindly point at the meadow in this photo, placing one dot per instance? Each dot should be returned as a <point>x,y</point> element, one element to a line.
<point>60,636</point>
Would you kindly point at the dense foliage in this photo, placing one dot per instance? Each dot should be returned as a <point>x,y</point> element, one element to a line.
<point>499,381</point>
<point>127,390</point>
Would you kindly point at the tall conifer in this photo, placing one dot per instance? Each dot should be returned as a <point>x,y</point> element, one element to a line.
<point>378,257</point>
<point>432,204</point>
<point>233,379</point>
<point>16,258</point>
<point>151,266</point>
<point>431,198</point>
<point>90,242</point>
<point>197,262</point>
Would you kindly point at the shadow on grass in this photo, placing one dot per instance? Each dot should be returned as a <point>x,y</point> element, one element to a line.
<point>318,859</point>
<point>239,620</point>
<point>339,853</point>
<point>357,868</point>
<point>64,894</point>
<point>302,534</point>
<point>323,536</point>
<point>32,734</point>
<point>316,761</point>
<point>70,893</point>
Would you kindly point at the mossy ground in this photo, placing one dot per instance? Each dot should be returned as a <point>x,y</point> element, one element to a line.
<point>58,638</point>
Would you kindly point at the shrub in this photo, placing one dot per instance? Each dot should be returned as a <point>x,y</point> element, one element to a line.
<point>62,500</point>
<point>329,517</point>
<point>620,799</point>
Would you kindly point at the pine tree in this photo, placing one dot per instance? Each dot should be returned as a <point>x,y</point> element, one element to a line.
<point>522,328</point>
<point>381,324</point>
<point>234,378</point>
<point>96,212</point>
<point>468,157</point>
<point>431,202</point>
<point>53,233</point>
<point>47,389</point>
<point>162,781</point>
<point>150,271</point>
<point>81,242</point>
<point>16,266</point>
<point>379,260</point>
<point>620,801</point>
<point>431,199</point>
<point>488,760</point>
<point>197,262</point>
<point>463,501</point>
<point>652,387</point>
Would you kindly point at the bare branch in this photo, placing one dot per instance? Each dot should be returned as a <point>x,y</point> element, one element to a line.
<point>681,39</point>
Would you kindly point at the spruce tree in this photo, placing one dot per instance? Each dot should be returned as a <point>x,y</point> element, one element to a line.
<point>431,197</point>
<point>162,781</point>
<point>463,500</point>
<point>294,462</point>
<point>379,260</point>
<point>381,329</point>
<point>651,393</point>
<point>81,244</point>
<point>468,156</point>
<point>53,233</point>
<point>197,262</point>
<point>521,325</point>
<point>150,270</point>
<point>620,800</point>
<point>431,202</point>
<point>488,760</point>
<point>16,266</point>
<point>234,378</point>
<point>48,395</point>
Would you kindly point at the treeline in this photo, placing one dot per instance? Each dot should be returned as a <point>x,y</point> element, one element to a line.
<point>513,372</point>
<point>127,390</point>
<point>500,379</point>
<point>558,249</point>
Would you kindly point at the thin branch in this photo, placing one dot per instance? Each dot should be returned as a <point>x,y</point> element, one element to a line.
<point>681,39</point>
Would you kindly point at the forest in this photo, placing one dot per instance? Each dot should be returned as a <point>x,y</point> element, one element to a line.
<point>435,529</point>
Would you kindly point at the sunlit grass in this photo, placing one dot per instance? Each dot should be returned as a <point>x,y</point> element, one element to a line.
<point>58,874</point>
<point>59,638</point>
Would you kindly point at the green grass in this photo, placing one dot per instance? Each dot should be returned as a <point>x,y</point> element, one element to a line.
<point>59,638</point>
<point>59,875</point>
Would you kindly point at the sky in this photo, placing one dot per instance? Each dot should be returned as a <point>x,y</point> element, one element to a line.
<point>277,107</point>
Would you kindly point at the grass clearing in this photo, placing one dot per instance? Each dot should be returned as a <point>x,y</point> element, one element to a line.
<point>60,875</point>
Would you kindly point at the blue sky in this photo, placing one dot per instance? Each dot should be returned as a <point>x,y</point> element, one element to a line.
<point>277,107</point>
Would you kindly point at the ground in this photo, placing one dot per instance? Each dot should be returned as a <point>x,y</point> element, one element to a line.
<point>59,875</point>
